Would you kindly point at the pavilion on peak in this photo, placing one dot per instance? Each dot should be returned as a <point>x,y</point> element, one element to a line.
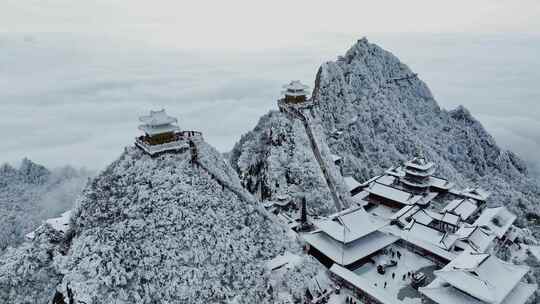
<point>162,134</point>
<point>295,92</point>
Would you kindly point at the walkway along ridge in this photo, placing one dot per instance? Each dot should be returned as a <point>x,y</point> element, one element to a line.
<point>315,148</point>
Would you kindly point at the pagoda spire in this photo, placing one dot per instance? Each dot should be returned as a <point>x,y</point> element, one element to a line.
<point>418,172</point>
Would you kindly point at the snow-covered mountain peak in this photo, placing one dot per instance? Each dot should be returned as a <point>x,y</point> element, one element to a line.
<point>173,228</point>
<point>374,112</point>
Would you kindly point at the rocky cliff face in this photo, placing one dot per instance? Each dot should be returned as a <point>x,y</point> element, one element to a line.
<point>374,112</point>
<point>166,230</point>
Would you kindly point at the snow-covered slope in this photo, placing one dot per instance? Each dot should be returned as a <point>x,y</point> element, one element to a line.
<point>166,230</point>
<point>386,113</point>
<point>27,273</point>
<point>32,193</point>
<point>375,113</point>
<point>276,160</point>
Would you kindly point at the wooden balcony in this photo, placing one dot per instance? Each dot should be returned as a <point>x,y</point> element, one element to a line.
<point>179,142</point>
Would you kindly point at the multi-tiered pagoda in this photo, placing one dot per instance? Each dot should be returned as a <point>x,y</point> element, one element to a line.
<point>418,172</point>
<point>295,92</point>
<point>161,134</point>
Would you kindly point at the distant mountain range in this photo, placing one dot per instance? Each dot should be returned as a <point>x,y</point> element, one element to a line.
<point>32,193</point>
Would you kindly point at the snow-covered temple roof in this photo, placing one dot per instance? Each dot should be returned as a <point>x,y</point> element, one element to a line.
<point>497,219</point>
<point>295,88</point>
<point>462,207</point>
<point>386,180</point>
<point>158,122</point>
<point>426,238</point>
<point>440,183</point>
<point>477,238</point>
<point>430,235</point>
<point>351,252</point>
<point>474,193</point>
<point>393,194</point>
<point>395,171</point>
<point>450,218</point>
<point>157,118</point>
<point>349,235</point>
<point>405,212</point>
<point>413,212</point>
<point>352,183</point>
<point>350,226</point>
<point>420,163</point>
<point>481,278</point>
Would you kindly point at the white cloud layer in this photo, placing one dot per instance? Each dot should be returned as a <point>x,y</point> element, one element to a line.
<point>74,98</point>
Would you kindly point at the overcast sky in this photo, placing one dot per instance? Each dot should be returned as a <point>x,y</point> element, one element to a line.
<point>248,23</point>
<point>74,75</point>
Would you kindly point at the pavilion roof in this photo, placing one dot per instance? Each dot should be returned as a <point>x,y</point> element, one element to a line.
<point>420,163</point>
<point>295,88</point>
<point>157,118</point>
<point>153,130</point>
<point>345,254</point>
<point>295,85</point>
<point>350,226</point>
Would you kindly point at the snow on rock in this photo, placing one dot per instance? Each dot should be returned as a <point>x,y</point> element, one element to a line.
<point>276,159</point>
<point>27,273</point>
<point>60,224</point>
<point>165,230</point>
<point>286,259</point>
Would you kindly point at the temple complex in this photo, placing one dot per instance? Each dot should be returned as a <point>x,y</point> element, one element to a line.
<point>411,232</point>
<point>162,134</point>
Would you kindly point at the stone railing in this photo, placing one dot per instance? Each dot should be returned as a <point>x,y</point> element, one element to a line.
<point>189,135</point>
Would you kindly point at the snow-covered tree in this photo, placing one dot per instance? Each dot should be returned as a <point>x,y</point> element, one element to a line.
<point>32,193</point>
